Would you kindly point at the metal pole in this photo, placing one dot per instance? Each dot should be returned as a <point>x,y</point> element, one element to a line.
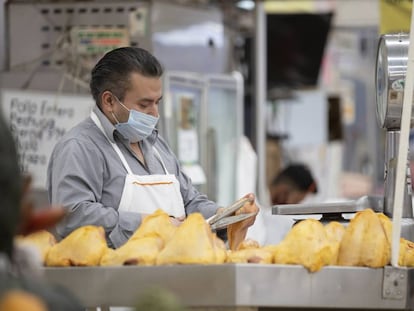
<point>260,97</point>
<point>401,177</point>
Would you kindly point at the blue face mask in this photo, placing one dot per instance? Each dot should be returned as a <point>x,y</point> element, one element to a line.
<point>138,127</point>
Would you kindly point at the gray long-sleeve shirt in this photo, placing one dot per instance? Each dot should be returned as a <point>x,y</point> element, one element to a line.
<point>87,177</point>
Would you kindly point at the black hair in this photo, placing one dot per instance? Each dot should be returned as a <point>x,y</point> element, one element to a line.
<point>298,175</point>
<point>10,188</point>
<point>112,72</point>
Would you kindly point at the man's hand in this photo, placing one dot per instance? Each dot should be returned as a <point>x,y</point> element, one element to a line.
<point>236,232</point>
<point>177,221</point>
<point>250,207</point>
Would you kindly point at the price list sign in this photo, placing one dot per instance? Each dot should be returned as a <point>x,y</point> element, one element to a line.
<point>38,120</point>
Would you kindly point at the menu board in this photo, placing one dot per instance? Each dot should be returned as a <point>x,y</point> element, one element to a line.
<point>38,120</point>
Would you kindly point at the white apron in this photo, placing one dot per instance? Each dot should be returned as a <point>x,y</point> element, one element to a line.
<point>147,193</point>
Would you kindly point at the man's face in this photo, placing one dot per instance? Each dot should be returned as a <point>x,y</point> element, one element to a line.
<point>144,96</point>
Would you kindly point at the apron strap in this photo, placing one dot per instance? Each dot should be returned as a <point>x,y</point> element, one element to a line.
<point>158,156</point>
<point>98,123</point>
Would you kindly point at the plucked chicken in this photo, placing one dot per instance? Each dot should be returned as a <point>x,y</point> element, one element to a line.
<point>366,241</point>
<point>250,255</point>
<point>42,241</point>
<point>220,249</point>
<point>83,247</point>
<point>158,223</point>
<point>143,251</point>
<point>192,243</point>
<point>249,251</point>
<point>248,243</point>
<point>305,244</point>
<point>406,257</point>
<point>334,232</point>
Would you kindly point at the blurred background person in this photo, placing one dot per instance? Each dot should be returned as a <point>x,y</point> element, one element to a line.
<point>292,185</point>
<point>18,287</point>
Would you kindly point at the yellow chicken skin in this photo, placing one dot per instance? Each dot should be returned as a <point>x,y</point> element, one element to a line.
<point>386,225</point>
<point>334,232</point>
<point>365,242</point>
<point>406,257</point>
<point>219,249</point>
<point>83,247</point>
<point>192,243</point>
<point>157,223</point>
<point>247,244</point>
<point>305,244</point>
<point>271,248</point>
<point>42,241</point>
<point>142,251</point>
<point>250,255</point>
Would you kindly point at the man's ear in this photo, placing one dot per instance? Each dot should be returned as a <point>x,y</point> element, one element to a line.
<point>107,101</point>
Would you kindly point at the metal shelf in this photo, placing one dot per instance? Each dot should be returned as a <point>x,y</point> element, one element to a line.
<point>243,285</point>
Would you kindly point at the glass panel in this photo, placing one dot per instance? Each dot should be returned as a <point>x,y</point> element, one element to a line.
<point>222,123</point>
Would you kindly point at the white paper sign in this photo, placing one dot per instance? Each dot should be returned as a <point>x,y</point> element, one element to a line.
<point>187,146</point>
<point>38,120</point>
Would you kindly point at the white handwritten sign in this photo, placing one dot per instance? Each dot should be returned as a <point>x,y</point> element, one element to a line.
<point>38,120</point>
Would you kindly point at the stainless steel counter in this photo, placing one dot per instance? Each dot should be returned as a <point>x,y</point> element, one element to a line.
<point>238,285</point>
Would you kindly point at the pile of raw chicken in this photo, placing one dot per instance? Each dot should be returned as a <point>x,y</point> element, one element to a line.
<point>364,242</point>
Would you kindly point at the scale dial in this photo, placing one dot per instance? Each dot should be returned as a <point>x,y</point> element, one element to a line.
<point>390,74</point>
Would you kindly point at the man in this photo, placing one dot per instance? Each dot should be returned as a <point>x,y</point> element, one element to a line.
<point>292,185</point>
<point>17,289</point>
<point>113,168</point>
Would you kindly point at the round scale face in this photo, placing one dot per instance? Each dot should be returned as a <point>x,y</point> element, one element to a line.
<point>381,84</point>
<point>390,74</point>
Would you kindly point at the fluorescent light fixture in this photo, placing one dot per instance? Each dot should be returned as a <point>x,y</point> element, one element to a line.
<point>245,4</point>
